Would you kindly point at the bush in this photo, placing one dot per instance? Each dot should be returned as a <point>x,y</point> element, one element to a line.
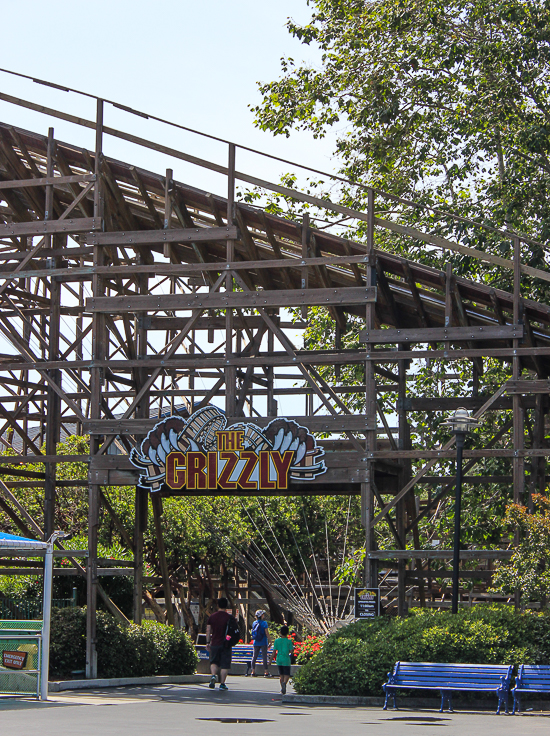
<point>67,641</point>
<point>356,659</point>
<point>122,651</point>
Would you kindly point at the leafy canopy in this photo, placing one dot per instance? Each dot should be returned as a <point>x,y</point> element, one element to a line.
<point>447,101</point>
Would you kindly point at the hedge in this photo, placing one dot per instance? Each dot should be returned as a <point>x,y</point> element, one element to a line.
<point>122,651</point>
<point>356,659</point>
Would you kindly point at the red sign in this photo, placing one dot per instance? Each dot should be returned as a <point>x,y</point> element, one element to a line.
<point>14,660</point>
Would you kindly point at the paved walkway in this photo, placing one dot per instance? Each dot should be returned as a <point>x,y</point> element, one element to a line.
<point>196,710</point>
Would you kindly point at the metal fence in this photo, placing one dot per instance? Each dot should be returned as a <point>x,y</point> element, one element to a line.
<point>23,609</point>
<point>20,657</point>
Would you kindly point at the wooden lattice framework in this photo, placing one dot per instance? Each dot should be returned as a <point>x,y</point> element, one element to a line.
<point>109,274</point>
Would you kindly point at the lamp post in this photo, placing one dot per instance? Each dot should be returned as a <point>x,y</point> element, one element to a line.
<point>460,423</point>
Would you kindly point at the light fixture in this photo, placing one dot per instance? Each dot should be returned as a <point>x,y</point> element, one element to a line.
<point>461,421</point>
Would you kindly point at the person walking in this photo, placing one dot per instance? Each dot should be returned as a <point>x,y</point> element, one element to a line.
<point>216,644</point>
<point>282,649</point>
<point>260,641</point>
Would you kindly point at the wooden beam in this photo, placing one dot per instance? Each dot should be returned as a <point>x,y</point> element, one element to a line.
<point>50,227</point>
<point>46,181</point>
<point>318,423</point>
<point>440,554</point>
<point>441,334</point>
<point>233,300</point>
<point>152,237</point>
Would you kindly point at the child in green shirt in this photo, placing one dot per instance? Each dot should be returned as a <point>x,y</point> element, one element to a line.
<point>282,649</point>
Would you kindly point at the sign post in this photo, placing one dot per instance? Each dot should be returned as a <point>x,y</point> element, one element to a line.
<point>367,603</point>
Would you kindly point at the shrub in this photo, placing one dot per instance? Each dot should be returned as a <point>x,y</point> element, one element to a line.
<point>122,651</point>
<point>67,641</point>
<point>356,659</point>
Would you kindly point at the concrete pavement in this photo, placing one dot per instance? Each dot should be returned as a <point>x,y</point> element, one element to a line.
<point>251,706</point>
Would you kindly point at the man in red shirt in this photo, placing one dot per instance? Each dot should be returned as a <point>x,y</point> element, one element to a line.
<point>220,655</point>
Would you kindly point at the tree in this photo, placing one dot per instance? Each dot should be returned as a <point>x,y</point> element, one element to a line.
<point>446,103</point>
<point>529,567</point>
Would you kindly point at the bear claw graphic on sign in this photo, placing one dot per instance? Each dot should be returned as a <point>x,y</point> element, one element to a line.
<point>202,452</point>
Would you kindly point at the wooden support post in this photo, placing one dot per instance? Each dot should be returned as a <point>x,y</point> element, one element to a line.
<point>98,189</point>
<point>448,300</point>
<point>367,487</point>
<point>538,464</point>
<point>157,516</point>
<point>518,463</point>
<point>271,401</point>
<point>230,371</point>
<point>140,525</point>
<point>405,475</point>
<point>92,582</point>
<point>53,403</point>
<point>99,346</point>
<point>338,346</point>
<point>305,242</point>
<point>519,438</point>
<point>53,411</point>
<point>48,208</point>
<point>142,411</point>
<point>168,186</point>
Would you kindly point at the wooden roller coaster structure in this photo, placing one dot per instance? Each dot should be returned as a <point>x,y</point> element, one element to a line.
<point>114,278</point>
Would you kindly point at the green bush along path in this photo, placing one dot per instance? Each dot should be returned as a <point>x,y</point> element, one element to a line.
<point>356,659</point>
<point>122,651</point>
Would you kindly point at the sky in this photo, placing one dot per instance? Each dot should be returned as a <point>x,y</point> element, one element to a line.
<point>193,63</point>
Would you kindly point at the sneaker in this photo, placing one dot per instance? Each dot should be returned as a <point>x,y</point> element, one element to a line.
<point>268,674</point>
<point>283,688</point>
<point>253,674</point>
<point>223,686</point>
<point>212,683</point>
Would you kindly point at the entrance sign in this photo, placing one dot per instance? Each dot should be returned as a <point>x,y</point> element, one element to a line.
<point>204,453</point>
<point>367,603</point>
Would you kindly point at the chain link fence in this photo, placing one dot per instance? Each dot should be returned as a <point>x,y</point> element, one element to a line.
<point>25,609</point>
<point>20,657</point>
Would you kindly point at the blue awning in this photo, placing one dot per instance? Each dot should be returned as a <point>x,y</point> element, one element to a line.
<point>13,543</point>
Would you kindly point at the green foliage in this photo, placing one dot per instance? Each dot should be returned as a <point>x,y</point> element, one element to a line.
<point>67,641</point>
<point>444,103</point>
<point>122,651</point>
<point>529,567</point>
<point>356,659</point>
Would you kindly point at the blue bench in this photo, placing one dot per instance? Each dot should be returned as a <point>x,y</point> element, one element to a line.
<point>532,678</point>
<point>449,678</point>
<point>241,654</point>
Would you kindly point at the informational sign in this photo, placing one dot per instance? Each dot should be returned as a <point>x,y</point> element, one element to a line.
<point>367,603</point>
<point>14,660</point>
<point>203,453</point>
